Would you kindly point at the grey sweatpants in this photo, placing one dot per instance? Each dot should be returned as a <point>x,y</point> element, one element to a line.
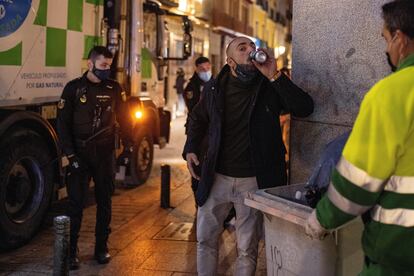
<point>226,192</point>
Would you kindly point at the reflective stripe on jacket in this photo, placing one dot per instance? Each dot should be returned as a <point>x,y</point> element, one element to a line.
<point>376,172</point>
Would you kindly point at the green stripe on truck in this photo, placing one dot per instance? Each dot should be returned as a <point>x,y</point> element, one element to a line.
<point>41,15</point>
<point>12,56</point>
<point>146,64</point>
<point>55,47</point>
<point>75,15</point>
<point>90,41</point>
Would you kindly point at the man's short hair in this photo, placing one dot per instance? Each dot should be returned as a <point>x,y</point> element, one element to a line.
<point>97,51</point>
<point>399,15</point>
<point>201,60</point>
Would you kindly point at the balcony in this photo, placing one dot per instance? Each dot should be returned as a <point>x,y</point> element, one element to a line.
<point>242,27</point>
<point>225,20</point>
<point>222,19</point>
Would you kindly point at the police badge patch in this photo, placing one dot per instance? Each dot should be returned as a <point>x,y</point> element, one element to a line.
<point>83,98</point>
<point>189,94</point>
<point>61,104</point>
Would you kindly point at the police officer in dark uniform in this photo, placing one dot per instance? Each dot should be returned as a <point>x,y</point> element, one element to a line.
<point>192,95</point>
<point>202,74</point>
<point>88,111</point>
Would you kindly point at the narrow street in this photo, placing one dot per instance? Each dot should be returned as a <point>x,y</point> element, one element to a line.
<point>145,239</point>
<point>313,99</point>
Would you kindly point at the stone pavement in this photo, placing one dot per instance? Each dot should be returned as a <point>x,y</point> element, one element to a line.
<point>145,239</point>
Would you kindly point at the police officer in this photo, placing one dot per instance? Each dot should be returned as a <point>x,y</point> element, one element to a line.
<point>192,95</point>
<point>202,74</point>
<point>87,113</point>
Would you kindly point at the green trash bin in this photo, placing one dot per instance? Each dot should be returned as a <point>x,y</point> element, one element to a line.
<point>290,252</point>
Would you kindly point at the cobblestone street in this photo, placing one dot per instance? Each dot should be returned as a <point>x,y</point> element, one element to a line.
<point>145,239</point>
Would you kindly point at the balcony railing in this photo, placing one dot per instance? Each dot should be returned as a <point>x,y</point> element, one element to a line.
<point>225,20</point>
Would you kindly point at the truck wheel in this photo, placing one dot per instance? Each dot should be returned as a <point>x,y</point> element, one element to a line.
<point>142,157</point>
<point>26,186</point>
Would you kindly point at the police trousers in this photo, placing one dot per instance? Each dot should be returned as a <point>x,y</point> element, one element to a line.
<point>98,162</point>
<point>228,192</point>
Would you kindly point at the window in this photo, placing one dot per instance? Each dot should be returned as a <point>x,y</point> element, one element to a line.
<point>256,29</point>
<point>150,32</point>
<point>226,5</point>
<point>245,14</point>
<point>198,46</point>
<point>234,8</point>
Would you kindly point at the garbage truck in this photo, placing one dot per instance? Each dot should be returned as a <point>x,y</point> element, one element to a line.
<point>43,45</point>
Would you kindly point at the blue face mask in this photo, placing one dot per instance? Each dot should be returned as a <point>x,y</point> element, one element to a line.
<point>101,74</point>
<point>246,72</point>
<point>204,76</point>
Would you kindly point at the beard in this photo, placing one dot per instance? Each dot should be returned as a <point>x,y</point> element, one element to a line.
<point>248,67</point>
<point>246,72</point>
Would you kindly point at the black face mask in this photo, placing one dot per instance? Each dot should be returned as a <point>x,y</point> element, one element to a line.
<point>246,72</point>
<point>392,66</point>
<point>101,74</point>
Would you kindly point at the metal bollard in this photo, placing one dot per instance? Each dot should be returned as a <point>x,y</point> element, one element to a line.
<point>165,186</point>
<point>61,250</point>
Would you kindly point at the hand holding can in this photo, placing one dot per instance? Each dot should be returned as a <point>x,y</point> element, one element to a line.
<point>259,56</point>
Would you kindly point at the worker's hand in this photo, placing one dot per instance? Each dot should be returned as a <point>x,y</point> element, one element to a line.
<point>314,229</point>
<point>192,161</point>
<point>76,164</point>
<point>269,68</point>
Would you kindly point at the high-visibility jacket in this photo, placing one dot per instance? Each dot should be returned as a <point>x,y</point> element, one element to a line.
<point>376,173</point>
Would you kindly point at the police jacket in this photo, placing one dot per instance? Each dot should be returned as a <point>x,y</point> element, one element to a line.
<point>376,173</point>
<point>90,110</point>
<point>266,145</point>
<point>192,92</point>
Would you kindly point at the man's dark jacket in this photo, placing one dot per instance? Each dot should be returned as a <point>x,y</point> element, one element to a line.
<point>266,145</point>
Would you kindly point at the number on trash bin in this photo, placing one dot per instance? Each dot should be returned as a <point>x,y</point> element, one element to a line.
<point>276,259</point>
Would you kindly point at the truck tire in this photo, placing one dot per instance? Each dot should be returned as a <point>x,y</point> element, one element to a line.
<point>142,157</point>
<point>26,186</point>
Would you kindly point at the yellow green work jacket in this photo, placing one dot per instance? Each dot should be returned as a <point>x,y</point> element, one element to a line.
<point>376,173</point>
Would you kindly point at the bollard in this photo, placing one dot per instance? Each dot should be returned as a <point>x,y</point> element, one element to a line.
<point>165,185</point>
<point>61,250</point>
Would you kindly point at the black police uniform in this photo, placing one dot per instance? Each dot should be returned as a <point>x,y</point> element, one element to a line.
<point>86,128</point>
<point>192,91</point>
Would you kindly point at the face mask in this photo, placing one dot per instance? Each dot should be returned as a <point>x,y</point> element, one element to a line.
<point>392,66</point>
<point>204,76</point>
<point>101,74</point>
<point>246,72</point>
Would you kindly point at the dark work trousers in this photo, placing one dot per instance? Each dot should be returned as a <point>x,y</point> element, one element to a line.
<point>99,165</point>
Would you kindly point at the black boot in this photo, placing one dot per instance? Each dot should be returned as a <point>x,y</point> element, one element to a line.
<point>101,253</point>
<point>74,262</point>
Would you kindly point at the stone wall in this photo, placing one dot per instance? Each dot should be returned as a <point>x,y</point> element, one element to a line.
<point>338,54</point>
